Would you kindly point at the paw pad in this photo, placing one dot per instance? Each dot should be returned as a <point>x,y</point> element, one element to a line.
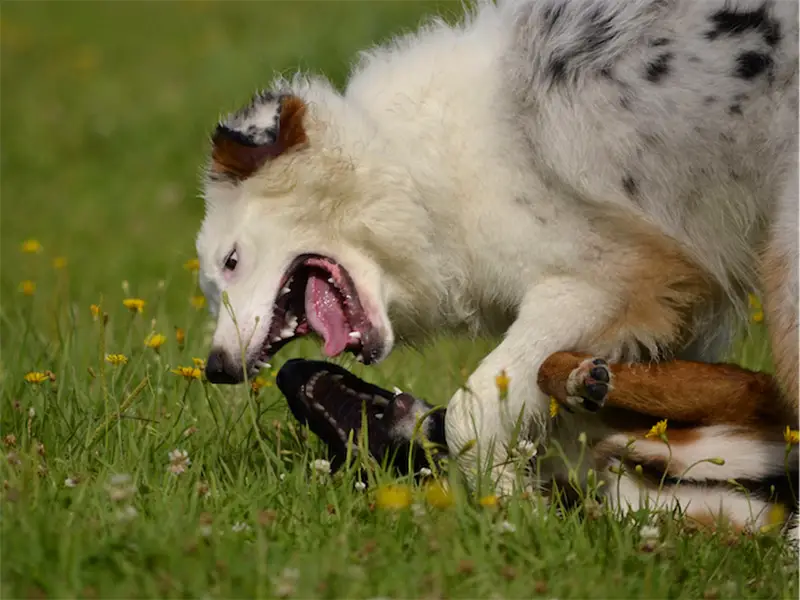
<point>588,385</point>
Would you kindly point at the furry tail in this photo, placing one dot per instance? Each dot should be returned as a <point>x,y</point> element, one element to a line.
<point>736,474</point>
<point>779,275</point>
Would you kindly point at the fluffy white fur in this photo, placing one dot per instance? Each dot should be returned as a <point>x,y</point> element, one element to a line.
<point>467,175</point>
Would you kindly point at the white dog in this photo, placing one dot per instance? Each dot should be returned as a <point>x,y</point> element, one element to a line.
<point>579,174</point>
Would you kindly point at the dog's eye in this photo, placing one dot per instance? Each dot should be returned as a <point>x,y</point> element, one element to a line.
<point>231,261</point>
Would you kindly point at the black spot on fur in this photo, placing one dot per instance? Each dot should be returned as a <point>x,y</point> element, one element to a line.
<point>630,186</point>
<point>598,31</point>
<point>551,16</point>
<point>649,139</point>
<point>732,22</point>
<point>659,68</point>
<point>709,99</point>
<point>662,41</point>
<point>593,33</point>
<point>695,59</point>
<point>557,69</point>
<point>735,109</point>
<point>625,102</point>
<point>243,138</point>
<point>751,64</point>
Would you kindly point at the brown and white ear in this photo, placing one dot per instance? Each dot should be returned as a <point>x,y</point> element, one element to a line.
<point>270,126</point>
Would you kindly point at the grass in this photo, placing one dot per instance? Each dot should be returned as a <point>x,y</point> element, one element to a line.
<point>105,112</point>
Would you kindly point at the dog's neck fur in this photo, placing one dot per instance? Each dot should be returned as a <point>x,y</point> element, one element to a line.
<point>391,126</point>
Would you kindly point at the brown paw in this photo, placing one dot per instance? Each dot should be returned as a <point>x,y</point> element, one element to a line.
<point>588,385</point>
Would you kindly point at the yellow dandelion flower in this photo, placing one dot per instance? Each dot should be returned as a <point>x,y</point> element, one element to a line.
<point>393,497</point>
<point>776,515</point>
<point>192,265</point>
<point>489,501</point>
<point>95,310</point>
<point>188,373</point>
<point>180,336</point>
<point>116,359</point>
<point>501,381</point>
<point>28,287</point>
<point>792,436</point>
<point>553,407</point>
<point>757,308</point>
<point>198,301</point>
<point>438,495</point>
<point>31,247</point>
<point>258,383</point>
<point>135,305</point>
<point>60,262</point>
<point>36,377</point>
<point>199,363</point>
<point>155,340</point>
<point>659,430</point>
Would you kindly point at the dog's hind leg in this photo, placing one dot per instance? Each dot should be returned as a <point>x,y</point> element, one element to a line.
<point>724,423</point>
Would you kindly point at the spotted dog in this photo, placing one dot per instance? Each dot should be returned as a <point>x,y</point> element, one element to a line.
<point>753,486</point>
<point>613,176</point>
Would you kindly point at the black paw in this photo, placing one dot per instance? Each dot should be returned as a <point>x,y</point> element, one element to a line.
<point>588,385</point>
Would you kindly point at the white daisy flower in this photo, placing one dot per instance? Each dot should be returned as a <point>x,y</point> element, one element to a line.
<point>526,449</point>
<point>506,527</point>
<point>240,526</point>
<point>321,466</point>
<point>179,461</point>
<point>649,532</point>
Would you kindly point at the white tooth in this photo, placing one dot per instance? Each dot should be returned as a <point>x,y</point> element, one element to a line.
<point>292,321</point>
<point>397,391</point>
<point>285,290</point>
<point>277,338</point>
<point>356,335</point>
<point>379,416</point>
<point>360,358</point>
<point>330,279</point>
<point>287,332</point>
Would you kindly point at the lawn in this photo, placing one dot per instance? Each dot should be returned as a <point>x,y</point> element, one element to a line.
<point>105,113</point>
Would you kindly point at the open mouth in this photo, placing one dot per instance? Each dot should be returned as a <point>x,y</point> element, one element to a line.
<point>317,295</point>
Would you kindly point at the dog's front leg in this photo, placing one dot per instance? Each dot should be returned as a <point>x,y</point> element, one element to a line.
<point>557,314</point>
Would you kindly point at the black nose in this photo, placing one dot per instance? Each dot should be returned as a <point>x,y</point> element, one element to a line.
<point>221,368</point>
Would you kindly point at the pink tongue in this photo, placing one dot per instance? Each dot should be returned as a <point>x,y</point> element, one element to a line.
<point>325,315</point>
